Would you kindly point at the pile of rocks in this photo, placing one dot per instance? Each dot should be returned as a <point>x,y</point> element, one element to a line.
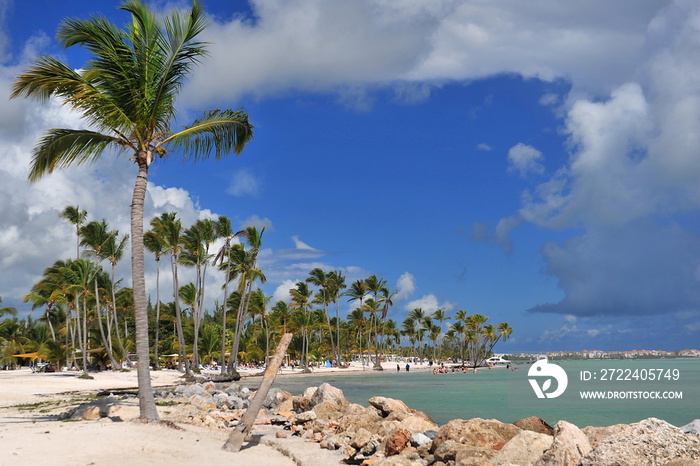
<point>389,433</point>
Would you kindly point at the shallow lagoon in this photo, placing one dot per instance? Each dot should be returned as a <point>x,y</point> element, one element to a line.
<point>507,396</point>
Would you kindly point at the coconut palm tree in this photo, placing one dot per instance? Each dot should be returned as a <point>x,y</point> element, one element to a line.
<point>324,297</point>
<point>357,292</point>
<point>188,295</point>
<point>441,316</point>
<point>386,300</point>
<point>75,217</point>
<point>371,307</point>
<point>418,316</point>
<point>224,230</point>
<point>209,343</point>
<point>156,245</point>
<point>457,329</point>
<point>475,325</point>
<point>358,325</point>
<point>336,283</point>
<point>127,94</point>
<point>79,276</point>
<point>258,307</point>
<point>207,234</point>
<point>301,301</point>
<point>408,329</point>
<point>94,237</point>
<point>193,255</point>
<point>54,286</point>
<point>113,251</point>
<point>13,340</point>
<point>40,296</point>
<point>282,314</point>
<point>169,228</point>
<point>504,331</point>
<point>55,352</point>
<point>244,267</point>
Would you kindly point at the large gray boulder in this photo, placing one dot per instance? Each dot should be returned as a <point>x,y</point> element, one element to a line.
<point>651,442</point>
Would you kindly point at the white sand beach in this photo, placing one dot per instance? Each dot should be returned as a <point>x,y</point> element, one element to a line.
<point>31,435</point>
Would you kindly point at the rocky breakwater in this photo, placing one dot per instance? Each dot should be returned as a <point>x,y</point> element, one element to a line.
<point>389,433</point>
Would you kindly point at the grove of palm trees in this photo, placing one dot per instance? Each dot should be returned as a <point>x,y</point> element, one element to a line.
<point>89,318</point>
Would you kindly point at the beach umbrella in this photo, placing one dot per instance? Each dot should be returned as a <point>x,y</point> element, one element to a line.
<point>31,356</point>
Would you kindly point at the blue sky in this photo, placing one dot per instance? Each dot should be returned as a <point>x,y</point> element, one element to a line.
<point>535,162</point>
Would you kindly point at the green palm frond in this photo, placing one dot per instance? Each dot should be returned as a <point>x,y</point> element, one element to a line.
<point>61,148</point>
<point>218,131</point>
<point>46,78</point>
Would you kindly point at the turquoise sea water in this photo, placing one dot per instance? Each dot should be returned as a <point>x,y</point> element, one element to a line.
<point>507,395</point>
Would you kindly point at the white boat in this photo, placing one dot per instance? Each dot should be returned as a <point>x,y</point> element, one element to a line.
<point>497,360</point>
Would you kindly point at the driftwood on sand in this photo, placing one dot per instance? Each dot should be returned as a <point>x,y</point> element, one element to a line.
<point>245,425</point>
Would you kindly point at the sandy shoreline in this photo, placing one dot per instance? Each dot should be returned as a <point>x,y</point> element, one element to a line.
<point>30,435</point>
<point>24,386</point>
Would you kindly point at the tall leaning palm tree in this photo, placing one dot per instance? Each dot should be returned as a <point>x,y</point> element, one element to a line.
<point>127,94</point>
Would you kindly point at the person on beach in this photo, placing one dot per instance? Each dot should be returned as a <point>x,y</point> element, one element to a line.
<point>398,368</point>
<point>408,366</point>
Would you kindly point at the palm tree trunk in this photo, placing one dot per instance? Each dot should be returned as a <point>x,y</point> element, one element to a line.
<point>147,404</point>
<point>68,353</point>
<point>116,325</point>
<point>156,363</point>
<point>120,342</point>
<point>195,344</point>
<point>75,323</point>
<point>240,318</point>
<point>224,366</point>
<point>337,328</point>
<point>107,344</point>
<point>78,327</point>
<point>182,348</point>
<point>330,335</point>
<point>85,337</point>
<point>48,320</point>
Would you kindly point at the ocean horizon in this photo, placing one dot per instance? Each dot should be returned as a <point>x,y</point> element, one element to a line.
<point>507,395</point>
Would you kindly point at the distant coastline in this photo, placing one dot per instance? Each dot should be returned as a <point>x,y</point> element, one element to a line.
<point>599,354</point>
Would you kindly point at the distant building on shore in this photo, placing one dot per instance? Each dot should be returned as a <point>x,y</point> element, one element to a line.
<point>599,354</point>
